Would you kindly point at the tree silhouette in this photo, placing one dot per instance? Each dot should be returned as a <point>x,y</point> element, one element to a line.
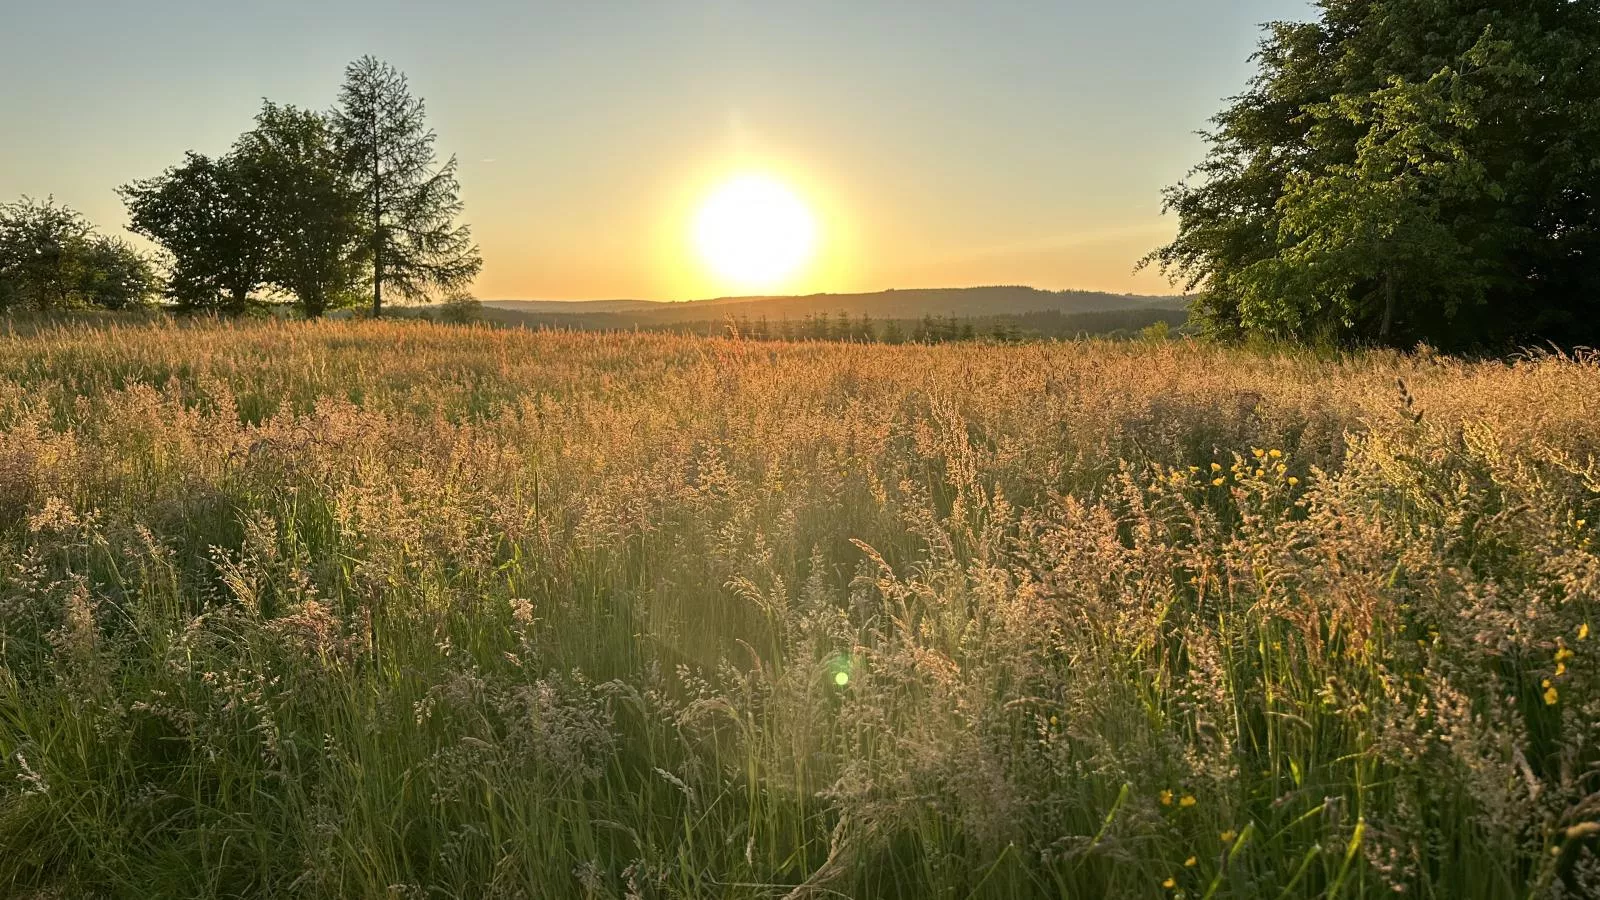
<point>212,222</point>
<point>312,222</point>
<point>411,203</point>
<point>52,258</point>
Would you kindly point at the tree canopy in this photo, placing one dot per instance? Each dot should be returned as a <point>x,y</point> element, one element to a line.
<point>51,258</point>
<point>211,220</point>
<point>1401,171</point>
<point>312,228</point>
<point>410,202</point>
<point>307,206</point>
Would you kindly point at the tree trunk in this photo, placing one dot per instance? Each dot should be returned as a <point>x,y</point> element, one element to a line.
<point>1387,324</point>
<point>377,219</point>
<point>377,249</point>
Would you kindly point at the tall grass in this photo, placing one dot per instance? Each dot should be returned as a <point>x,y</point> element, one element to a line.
<point>395,610</point>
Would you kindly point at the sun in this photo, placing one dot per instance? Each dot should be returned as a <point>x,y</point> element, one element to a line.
<point>754,232</point>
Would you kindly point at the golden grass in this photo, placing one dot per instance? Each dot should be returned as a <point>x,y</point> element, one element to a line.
<point>395,610</point>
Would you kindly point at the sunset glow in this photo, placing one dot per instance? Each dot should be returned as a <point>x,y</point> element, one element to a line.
<point>754,232</point>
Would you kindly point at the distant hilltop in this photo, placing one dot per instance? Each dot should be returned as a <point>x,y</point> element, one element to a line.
<point>913,303</point>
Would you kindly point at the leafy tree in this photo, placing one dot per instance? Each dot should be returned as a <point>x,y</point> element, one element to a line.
<point>1404,170</point>
<point>111,274</point>
<point>410,202</point>
<point>52,258</point>
<point>311,225</point>
<point>461,309</point>
<point>211,219</point>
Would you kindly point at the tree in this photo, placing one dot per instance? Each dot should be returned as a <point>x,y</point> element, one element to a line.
<point>1404,170</point>
<point>311,224</point>
<point>461,309</point>
<point>410,203</point>
<point>111,274</point>
<point>52,258</point>
<point>209,217</point>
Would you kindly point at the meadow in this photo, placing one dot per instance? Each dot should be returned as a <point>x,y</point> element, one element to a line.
<point>400,610</point>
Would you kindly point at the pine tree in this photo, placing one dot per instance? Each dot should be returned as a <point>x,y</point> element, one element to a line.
<point>411,203</point>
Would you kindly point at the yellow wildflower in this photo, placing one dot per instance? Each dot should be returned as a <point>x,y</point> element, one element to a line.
<point>1166,798</point>
<point>1228,836</point>
<point>1563,654</point>
<point>1190,863</point>
<point>1170,883</point>
<point>1551,695</point>
<point>1187,801</point>
<point>1216,467</point>
<point>1258,452</point>
<point>1275,454</point>
<point>1259,473</point>
<point>1583,632</point>
<point>1561,669</point>
<point>1293,481</point>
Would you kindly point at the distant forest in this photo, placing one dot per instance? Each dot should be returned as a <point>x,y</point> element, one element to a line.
<point>920,315</point>
<point>862,328</point>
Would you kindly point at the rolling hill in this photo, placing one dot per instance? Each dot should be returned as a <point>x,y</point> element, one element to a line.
<point>891,304</point>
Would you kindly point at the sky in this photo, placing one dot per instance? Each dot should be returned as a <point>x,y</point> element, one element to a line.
<point>935,144</point>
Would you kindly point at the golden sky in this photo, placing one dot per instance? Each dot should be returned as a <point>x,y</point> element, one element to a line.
<point>936,143</point>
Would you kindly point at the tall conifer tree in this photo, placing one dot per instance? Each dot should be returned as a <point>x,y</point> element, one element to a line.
<point>410,202</point>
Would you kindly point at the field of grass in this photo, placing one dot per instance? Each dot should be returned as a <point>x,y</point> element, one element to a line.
<point>395,610</point>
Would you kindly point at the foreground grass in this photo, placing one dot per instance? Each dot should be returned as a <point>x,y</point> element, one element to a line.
<point>387,610</point>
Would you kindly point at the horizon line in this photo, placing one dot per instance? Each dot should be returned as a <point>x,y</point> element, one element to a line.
<point>813,294</point>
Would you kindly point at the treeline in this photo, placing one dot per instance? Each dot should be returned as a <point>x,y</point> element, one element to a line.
<point>318,210</point>
<point>932,329</point>
<point>863,328</point>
